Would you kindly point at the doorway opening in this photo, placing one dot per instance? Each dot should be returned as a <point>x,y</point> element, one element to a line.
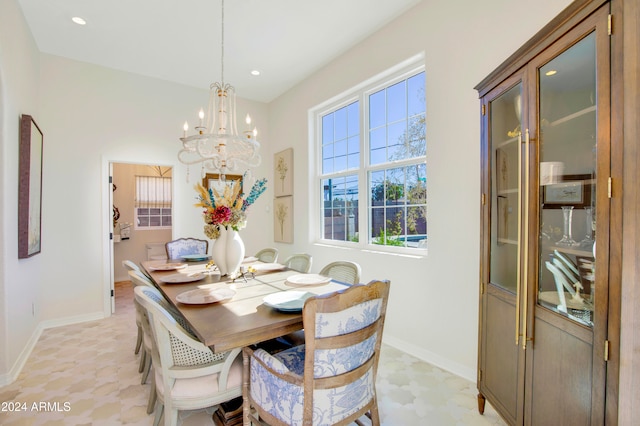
<point>142,216</point>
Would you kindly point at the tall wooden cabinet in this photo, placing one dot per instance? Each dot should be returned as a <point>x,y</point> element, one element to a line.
<point>551,224</point>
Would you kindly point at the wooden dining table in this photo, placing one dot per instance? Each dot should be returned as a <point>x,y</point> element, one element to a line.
<point>244,319</point>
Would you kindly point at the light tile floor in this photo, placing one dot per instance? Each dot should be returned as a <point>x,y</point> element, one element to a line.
<point>87,374</point>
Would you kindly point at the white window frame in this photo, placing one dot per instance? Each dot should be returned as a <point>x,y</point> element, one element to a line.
<point>361,94</point>
<point>166,204</point>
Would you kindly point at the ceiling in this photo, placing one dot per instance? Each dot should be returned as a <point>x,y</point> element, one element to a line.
<point>180,40</point>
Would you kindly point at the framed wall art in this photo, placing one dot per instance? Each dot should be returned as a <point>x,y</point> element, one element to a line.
<point>212,180</point>
<point>573,190</point>
<point>283,173</point>
<point>283,219</point>
<point>29,188</point>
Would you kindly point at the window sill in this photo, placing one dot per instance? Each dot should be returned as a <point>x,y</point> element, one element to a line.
<point>410,253</point>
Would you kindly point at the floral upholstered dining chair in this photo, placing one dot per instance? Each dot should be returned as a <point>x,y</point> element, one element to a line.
<point>186,246</point>
<point>330,380</point>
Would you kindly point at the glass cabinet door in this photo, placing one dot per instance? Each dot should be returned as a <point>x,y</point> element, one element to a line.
<point>567,182</point>
<point>505,157</point>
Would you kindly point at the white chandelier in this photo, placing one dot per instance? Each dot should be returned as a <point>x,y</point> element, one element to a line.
<point>216,144</point>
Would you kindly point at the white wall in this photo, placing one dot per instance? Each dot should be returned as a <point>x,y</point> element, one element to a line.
<point>20,280</point>
<point>92,116</point>
<point>433,306</point>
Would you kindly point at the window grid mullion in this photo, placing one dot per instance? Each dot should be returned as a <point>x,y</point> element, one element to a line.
<point>365,214</point>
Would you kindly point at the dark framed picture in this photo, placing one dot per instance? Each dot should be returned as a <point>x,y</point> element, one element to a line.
<point>573,190</point>
<point>29,188</point>
<point>213,181</point>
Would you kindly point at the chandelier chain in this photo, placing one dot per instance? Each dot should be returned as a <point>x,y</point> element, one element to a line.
<point>222,49</point>
<point>216,144</point>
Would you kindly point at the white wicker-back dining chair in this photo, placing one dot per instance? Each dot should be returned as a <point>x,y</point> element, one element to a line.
<point>144,339</point>
<point>268,255</point>
<point>187,375</point>
<point>343,270</point>
<point>130,266</point>
<point>300,262</point>
<point>146,357</point>
<point>139,279</point>
<point>330,380</point>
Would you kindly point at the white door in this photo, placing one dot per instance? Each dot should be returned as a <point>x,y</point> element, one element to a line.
<point>111,266</point>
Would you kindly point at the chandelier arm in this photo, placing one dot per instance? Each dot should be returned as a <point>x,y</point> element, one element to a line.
<point>214,162</point>
<point>184,160</point>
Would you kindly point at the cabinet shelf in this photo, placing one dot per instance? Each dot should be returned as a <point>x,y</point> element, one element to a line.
<point>506,142</point>
<point>570,250</point>
<point>573,116</point>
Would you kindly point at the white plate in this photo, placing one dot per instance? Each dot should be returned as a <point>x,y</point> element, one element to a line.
<point>182,278</point>
<point>168,267</point>
<point>194,257</point>
<point>287,301</point>
<point>201,296</point>
<point>268,266</point>
<point>249,259</point>
<point>308,279</point>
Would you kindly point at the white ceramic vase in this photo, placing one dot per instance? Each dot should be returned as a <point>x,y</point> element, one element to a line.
<point>228,251</point>
<point>235,252</point>
<point>219,251</point>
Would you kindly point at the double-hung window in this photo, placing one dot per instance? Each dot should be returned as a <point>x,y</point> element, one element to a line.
<point>372,168</point>
<point>153,202</point>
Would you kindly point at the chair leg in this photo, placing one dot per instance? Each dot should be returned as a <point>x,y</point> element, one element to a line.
<point>147,368</point>
<point>375,416</point>
<point>153,396</point>
<point>138,340</point>
<point>171,417</point>
<point>159,414</point>
<point>143,357</point>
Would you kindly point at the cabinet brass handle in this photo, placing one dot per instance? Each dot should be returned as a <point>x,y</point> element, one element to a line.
<point>525,288</point>
<point>519,236</point>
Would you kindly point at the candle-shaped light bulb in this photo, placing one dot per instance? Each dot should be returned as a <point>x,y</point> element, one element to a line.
<point>255,132</point>
<point>185,128</point>
<point>201,116</point>
<point>248,119</point>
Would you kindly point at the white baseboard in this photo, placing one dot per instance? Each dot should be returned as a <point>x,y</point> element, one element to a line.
<point>12,375</point>
<point>71,320</point>
<point>427,356</point>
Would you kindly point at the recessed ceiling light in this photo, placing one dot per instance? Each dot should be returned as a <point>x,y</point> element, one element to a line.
<point>78,20</point>
<point>550,72</point>
<point>255,72</point>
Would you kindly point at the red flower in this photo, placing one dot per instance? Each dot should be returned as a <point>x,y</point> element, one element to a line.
<point>221,215</point>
